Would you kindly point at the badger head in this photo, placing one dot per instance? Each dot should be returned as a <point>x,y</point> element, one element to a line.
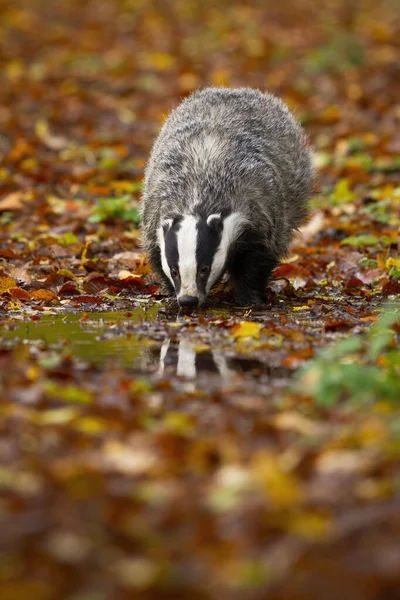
<point>194,252</point>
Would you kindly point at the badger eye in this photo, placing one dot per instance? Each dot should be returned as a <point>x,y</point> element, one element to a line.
<point>174,273</point>
<point>204,271</point>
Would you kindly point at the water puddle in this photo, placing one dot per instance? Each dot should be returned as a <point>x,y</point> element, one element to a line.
<point>96,338</point>
<point>136,341</point>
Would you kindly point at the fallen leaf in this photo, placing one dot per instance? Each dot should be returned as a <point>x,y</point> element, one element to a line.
<point>391,287</point>
<point>247,329</point>
<point>20,294</point>
<point>7,283</point>
<point>360,240</point>
<point>42,294</point>
<point>11,202</point>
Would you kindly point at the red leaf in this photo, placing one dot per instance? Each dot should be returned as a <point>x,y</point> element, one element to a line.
<point>86,300</point>
<point>391,287</point>
<point>354,282</point>
<point>20,294</point>
<point>69,289</point>
<point>291,270</point>
<point>338,325</point>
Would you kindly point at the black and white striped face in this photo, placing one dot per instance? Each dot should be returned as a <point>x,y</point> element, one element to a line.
<point>194,253</point>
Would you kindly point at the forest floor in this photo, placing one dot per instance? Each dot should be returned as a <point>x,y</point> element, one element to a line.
<point>232,453</point>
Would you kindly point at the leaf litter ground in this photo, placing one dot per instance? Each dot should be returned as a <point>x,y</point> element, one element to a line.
<point>235,453</point>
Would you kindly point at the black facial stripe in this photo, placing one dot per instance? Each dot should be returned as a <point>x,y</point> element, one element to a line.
<point>171,250</point>
<point>208,239</point>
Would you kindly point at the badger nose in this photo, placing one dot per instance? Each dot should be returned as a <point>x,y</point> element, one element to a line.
<point>188,301</point>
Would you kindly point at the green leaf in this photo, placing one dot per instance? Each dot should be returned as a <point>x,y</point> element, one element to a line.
<point>114,208</point>
<point>342,192</point>
<point>68,393</point>
<point>360,240</point>
<point>368,263</point>
<point>68,239</point>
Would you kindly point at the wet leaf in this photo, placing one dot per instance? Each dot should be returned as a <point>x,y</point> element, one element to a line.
<point>247,329</point>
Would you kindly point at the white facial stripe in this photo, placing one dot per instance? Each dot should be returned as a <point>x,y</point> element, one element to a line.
<point>187,243</point>
<point>164,262</point>
<point>233,225</point>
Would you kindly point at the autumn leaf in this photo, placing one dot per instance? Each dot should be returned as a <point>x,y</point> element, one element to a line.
<point>12,202</point>
<point>7,284</point>
<point>280,487</point>
<point>69,393</point>
<point>247,329</point>
<point>20,294</point>
<point>45,295</point>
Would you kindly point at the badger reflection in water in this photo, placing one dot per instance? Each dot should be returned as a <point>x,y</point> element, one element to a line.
<point>184,359</point>
<point>181,357</point>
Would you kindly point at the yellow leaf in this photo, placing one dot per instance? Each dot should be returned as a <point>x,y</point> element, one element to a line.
<point>7,284</point>
<point>220,78</point>
<point>33,373</point>
<point>301,308</point>
<point>178,422</point>
<point>91,425</point>
<point>343,192</point>
<point>247,329</point>
<point>289,259</point>
<point>281,487</point>
<point>310,525</point>
<point>58,416</point>
<point>331,114</point>
<point>124,274</point>
<point>162,61</point>
<point>392,262</point>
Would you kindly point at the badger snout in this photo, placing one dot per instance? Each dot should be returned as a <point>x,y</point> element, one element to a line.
<point>188,301</point>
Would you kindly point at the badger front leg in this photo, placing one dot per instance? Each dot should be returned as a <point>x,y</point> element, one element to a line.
<point>250,270</point>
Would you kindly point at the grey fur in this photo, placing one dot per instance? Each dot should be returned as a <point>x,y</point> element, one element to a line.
<point>237,149</point>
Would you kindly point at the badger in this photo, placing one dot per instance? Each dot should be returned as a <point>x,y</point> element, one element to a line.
<point>226,185</point>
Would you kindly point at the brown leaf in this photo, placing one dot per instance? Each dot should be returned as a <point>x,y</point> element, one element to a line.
<point>86,300</point>
<point>42,294</point>
<point>338,325</point>
<point>391,287</point>
<point>68,289</point>
<point>11,202</point>
<point>20,294</point>
<point>21,274</point>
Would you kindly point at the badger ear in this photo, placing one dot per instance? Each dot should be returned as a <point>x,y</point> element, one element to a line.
<point>166,224</point>
<point>169,222</point>
<point>215,221</point>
